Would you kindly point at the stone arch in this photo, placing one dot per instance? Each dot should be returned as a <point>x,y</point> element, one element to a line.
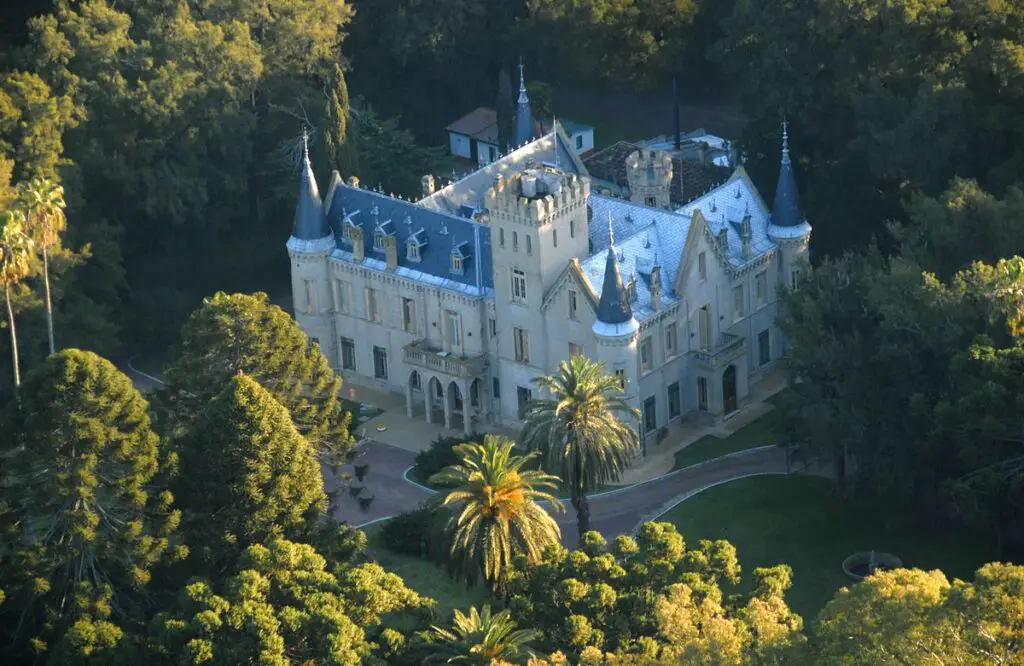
<point>475,395</point>
<point>434,398</point>
<point>413,385</point>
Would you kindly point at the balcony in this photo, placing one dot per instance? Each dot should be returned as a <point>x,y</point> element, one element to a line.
<point>728,348</point>
<point>421,354</point>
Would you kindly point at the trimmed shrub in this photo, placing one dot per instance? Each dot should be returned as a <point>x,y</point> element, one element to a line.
<point>408,533</point>
<point>440,455</point>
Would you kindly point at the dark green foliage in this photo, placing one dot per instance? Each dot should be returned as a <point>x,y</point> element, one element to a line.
<point>234,333</point>
<point>247,474</point>
<point>439,455</point>
<point>85,516</point>
<point>418,532</point>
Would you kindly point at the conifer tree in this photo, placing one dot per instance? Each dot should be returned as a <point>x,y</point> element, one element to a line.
<point>83,514</point>
<point>234,333</point>
<point>247,473</point>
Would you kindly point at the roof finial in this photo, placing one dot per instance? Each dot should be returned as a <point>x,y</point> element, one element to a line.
<point>785,140</point>
<point>305,144</point>
<point>611,231</point>
<point>523,99</point>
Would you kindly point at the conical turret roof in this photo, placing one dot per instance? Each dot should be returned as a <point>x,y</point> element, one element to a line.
<point>309,223</point>
<point>786,210</point>
<point>613,308</point>
<point>524,115</point>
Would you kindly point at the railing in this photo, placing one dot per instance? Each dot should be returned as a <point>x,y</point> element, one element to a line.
<point>419,353</point>
<point>727,345</point>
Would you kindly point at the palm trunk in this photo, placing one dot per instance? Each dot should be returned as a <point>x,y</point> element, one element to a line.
<point>14,337</point>
<point>579,501</point>
<point>49,306</point>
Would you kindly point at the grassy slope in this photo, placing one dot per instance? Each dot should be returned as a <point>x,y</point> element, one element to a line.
<point>762,431</point>
<point>797,521</point>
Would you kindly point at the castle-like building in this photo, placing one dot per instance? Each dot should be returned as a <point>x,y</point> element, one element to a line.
<point>460,299</point>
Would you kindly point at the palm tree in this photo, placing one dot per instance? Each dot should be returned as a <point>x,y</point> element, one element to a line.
<point>481,639</point>
<point>499,516</point>
<point>42,202</point>
<point>15,258</point>
<point>580,431</point>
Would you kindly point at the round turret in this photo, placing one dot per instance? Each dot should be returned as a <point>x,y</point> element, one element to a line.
<point>649,173</point>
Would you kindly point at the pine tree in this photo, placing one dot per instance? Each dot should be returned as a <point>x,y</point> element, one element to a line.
<point>83,513</point>
<point>247,473</point>
<point>234,333</point>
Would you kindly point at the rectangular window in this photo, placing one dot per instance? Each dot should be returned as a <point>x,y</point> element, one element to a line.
<point>764,347</point>
<point>702,393</point>
<point>414,381</point>
<point>762,288</point>
<point>650,414</point>
<point>579,142</point>
<point>704,326</point>
<point>646,360</point>
<point>408,315</point>
<point>572,304</point>
<point>378,242</point>
<point>651,202</point>
<point>529,245</point>
<point>309,288</point>
<point>492,153</point>
<point>380,363</point>
<point>572,228</point>
<point>341,296</point>
<point>456,264</point>
<point>671,343</point>
<point>575,349</point>
<point>702,266</point>
<point>412,251</point>
<point>522,344</point>
<point>554,237</point>
<point>372,305</point>
<point>620,374</point>
<point>348,354</point>
<point>515,241</point>
<point>523,397</point>
<point>518,285</point>
<point>738,306</point>
<point>795,279</point>
<point>496,388</point>
<point>501,236</point>
<point>453,327</point>
<point>674,408</point>
<point>492,327</point>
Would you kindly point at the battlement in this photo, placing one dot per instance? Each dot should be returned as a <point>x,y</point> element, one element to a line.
<point>536,195</point>
<point>649,173</point>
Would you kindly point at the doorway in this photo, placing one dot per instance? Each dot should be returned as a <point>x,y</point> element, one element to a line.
<point>729,389</point>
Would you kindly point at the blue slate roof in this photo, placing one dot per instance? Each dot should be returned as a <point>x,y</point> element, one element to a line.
<point>309,218</point>
<point>436,233</point>
<point>786,210</point>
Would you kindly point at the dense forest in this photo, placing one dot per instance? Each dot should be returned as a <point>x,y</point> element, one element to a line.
<point>150,149</point>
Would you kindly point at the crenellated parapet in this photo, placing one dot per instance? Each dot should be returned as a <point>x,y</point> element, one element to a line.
<point>536,197</point>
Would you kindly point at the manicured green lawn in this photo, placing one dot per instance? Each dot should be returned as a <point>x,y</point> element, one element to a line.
<point>796,521</point>
<point>425,577</point>
<point>759,432</point>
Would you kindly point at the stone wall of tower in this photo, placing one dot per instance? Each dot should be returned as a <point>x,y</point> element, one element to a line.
<point>649,173</point>
<point>620,353</point>
<point>312,297</point>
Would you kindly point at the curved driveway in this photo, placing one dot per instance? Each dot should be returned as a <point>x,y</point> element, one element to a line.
<point>612,512</point>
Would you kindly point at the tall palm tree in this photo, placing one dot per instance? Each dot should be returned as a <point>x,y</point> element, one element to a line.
<point>498,516</point>
<point>581,430</point>
<point>480,639</point>
<point>42,202</point>
<point>15,258</point>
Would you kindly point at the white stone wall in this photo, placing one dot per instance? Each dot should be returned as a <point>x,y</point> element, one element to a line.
<point>459,145</point>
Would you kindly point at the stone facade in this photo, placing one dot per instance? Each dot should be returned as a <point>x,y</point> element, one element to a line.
<point>649,174</point>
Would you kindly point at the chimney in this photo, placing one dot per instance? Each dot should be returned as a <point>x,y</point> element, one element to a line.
<point>391,252</point>
<point>675,114</point>
<point>358,248</point>
<point>428,185</point>
<point>656,287</point>
<point>353,181</point>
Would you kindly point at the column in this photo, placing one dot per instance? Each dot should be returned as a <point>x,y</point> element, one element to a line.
<point>408,396</point>
<point>467,409</point>
<point>447,407</point>
<point>428,395</point>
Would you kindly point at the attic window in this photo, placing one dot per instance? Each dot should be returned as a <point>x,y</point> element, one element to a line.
<point>413,252</point>
<point>382,231</point>
<point>378,241</point>
<point>347,225</point>
<point>414,246</point>
<point>459,256</point>
<point>631,289</point>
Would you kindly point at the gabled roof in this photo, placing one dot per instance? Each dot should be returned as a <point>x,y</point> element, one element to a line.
<point>689,179</point>
<point>480,124</point>
<point>552,148</point>
<point>437,233</point>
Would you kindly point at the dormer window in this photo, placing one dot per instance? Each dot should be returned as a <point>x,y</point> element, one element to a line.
<point>631,289</point>
<point>414,246</point>
<point>378,241</point>
<point>347,225</point>
<point>459,255</point>
<point>382,231</point>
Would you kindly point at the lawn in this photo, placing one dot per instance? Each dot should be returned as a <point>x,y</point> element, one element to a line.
<point>425,577</point>
<point>759,432</point>
<point>796,520</point>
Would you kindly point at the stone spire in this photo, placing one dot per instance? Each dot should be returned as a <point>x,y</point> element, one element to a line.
<point>309,223</point>
<point>524,116</point>
<point>613,308</point>
<point>786,207</point>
